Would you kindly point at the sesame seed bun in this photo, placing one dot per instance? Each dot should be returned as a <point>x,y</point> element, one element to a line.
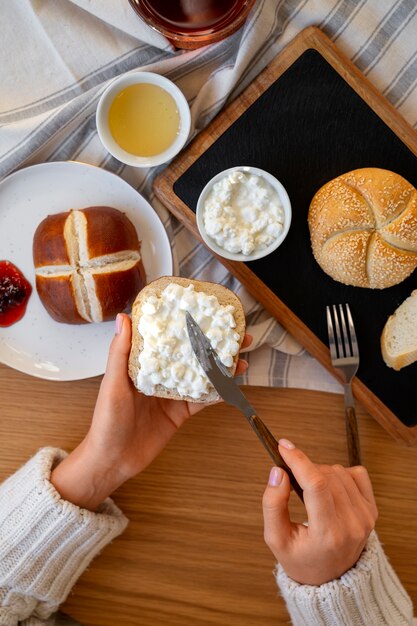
<point>363,228</point>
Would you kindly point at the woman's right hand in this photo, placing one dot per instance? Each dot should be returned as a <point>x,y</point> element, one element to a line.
<point>341,512</point>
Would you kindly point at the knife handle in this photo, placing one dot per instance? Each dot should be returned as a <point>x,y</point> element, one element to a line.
<point>271,446</point>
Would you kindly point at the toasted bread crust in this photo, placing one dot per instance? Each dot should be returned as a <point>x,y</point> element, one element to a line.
<point>109,231</point>
<point>115,290</point>
<point>49,246</point>
<point>57,297</point>
<point>156,287</point>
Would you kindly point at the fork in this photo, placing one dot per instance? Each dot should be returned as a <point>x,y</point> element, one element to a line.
<point>344,354</point>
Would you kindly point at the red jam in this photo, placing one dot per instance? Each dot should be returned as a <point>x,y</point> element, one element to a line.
<point>14,293</point>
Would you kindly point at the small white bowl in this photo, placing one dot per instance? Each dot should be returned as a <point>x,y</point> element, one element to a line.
<point>257,254</point>
<point>102,118</point>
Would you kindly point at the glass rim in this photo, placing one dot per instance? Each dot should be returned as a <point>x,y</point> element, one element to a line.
<point>196,36</point>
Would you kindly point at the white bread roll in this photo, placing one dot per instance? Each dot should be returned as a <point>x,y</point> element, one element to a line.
<point>399,337</point>
<point>88,264</point>
<point>155,288</point>
<point>363,228</point>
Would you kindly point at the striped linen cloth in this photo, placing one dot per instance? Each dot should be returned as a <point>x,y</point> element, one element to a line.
<point>58,57</point>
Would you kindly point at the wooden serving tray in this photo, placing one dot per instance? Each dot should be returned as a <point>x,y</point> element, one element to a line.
<point>308,117</point>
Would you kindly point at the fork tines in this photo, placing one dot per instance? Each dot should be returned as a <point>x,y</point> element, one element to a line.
<point>342,336</point>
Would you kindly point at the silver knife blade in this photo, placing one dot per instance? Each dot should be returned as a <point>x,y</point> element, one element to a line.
<point>219,376</point>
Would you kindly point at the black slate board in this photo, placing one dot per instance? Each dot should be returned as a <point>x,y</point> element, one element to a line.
<point>306,128</point>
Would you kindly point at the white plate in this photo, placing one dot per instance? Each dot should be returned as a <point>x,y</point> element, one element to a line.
<point>38,345</point>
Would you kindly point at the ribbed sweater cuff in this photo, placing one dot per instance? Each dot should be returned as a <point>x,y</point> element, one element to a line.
<point>45,542</point>
<point>369,594</point>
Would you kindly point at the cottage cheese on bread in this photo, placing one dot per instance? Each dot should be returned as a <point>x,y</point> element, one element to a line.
<point>165,361</point>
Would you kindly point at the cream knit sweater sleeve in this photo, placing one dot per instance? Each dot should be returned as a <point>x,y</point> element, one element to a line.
<point>45,542</point>
<point>369,594</point>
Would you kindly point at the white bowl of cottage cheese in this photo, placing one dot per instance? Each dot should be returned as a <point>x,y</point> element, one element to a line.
<point>243,213</point>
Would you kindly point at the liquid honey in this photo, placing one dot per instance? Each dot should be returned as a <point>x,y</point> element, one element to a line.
<point>144,119</point>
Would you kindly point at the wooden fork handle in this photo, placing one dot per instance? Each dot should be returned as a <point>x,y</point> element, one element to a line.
<point>352,436</point>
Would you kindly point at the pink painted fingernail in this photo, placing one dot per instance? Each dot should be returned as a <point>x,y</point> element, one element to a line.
<point>285,443</point>
<point>275,477</point>
<point>119,323</point>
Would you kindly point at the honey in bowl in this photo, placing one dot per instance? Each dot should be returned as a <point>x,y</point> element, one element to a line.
<point>144,119</point>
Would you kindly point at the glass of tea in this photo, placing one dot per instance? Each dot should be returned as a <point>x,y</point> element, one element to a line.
<point>193,23</point>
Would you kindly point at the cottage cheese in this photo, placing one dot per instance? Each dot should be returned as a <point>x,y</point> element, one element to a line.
<point>167,357</point>
<point>243,213</point>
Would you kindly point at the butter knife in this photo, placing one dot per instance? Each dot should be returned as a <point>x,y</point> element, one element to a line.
<point>223,382</point>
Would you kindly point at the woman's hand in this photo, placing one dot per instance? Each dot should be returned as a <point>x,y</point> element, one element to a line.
<point>341,512</point>
<point>128,430</point>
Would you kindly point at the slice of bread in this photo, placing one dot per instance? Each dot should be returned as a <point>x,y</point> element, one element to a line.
<point>399,337</point>
<point>155,288</point>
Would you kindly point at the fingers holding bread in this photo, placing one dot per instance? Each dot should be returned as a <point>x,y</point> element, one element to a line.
<point>88,268</point>
<point>161,361</point>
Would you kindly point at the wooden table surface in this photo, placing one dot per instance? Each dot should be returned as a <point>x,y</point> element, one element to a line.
<point>193,554</point>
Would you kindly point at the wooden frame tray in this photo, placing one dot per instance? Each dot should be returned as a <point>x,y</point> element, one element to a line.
<point>179,184</point>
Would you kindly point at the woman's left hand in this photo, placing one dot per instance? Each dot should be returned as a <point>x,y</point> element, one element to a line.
<point>128,430</point>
